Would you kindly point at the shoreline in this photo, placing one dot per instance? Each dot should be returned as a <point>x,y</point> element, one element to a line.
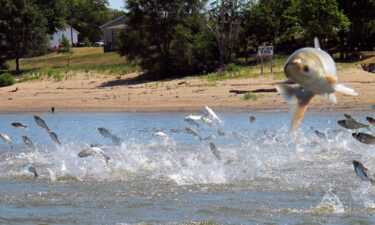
<point>325,110</point>
<point>89,94</point>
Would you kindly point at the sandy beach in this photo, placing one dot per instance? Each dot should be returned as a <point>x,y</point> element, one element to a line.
<point>99,93</point>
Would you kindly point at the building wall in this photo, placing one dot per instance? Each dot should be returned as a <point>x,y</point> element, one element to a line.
<point>57,37</point>
<point>109,39</point>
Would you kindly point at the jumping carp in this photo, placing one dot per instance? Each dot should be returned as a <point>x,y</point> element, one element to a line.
<point>108,134</point>
<point>28,142</point>
<point>41,123</point>
<point>352,124</point>
<point>361,171</point>
<point>18,125</point>
<point>92,151</point>
<point>7,139</point>
<point>215,151</point>
<point>370,120</point>
<point>54,137</point>
<point>364,138</point>
<point>315,72</point>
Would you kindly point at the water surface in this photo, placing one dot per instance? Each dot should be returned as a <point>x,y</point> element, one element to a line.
<point>265,175</point>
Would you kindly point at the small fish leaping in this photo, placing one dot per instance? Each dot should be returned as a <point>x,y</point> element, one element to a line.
<point>352,124</point>
<point>32,170</point>
<point>28,142</point>
<point>108,134</point>
<point>41,123</point>
<point>7,139</point>
<point>362,171</point>
<point>54,137</point>
<point>315,71</point>
<point>193,119</point>
<point>18,125</point>
<point>92,151</point>
<point>210,113</point>
<point>215,151</point>
<point>364,138</point>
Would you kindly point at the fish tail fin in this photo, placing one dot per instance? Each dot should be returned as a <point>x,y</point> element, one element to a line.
<point>345,90</point>
<point>200,138</point>
<point>106,158</point>
<point>298,99</point>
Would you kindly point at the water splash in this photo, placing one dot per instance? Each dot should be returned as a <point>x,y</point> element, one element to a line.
<point>330,204</point>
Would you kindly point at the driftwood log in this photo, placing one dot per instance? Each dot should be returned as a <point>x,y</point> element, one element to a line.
<point>261,90</point>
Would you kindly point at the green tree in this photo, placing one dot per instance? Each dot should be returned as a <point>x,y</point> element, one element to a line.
<point>54,12</point>
<point>224,23</point>
<point>89,15</point>
<point>361,14</point>
<point>66,48</point>
<point>265,20</point>
<point>167,37</point>
<point>317,18</point>
<point>23,29</point>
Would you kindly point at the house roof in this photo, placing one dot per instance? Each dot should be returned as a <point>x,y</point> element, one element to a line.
<point>117,23</point>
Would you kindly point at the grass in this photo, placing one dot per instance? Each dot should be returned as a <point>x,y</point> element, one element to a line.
<point>236,72</point>
<point>88,60</point>
<point>250,96</point>
<point>45,74</point>
<point>92,60</point>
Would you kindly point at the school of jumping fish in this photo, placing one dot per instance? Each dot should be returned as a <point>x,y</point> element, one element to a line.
<point>311,68</point>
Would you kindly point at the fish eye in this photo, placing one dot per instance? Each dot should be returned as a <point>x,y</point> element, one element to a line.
<point>305,68</point>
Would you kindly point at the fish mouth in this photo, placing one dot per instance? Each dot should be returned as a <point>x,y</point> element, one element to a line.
<point>295,64</point>
<point>331,79</point>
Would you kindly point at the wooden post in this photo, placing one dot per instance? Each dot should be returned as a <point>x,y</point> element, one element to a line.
<point>261,65</point>
<point>271,63</point>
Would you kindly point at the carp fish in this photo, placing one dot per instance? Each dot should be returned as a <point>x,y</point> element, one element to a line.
<point>315,72</point>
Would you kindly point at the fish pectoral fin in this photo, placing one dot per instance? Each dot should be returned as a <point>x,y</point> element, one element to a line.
<point>330,97</point>
<point>298,98</point>
<point>344,89</point>
<point>287,93</point>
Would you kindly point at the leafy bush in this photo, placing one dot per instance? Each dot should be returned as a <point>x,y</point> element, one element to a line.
<point>86,42</point>
<point>233,67</point>
<point>6,79</point>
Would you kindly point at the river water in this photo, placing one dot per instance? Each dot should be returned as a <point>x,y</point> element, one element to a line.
<point>264,174</point>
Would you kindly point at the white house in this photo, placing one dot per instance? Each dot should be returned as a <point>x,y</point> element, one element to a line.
<point>58,35</point>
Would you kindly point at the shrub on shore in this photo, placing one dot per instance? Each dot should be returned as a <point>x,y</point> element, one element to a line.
<point>6,79</point>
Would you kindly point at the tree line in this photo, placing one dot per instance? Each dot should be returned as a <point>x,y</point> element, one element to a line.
<point>181,37</point>
<point>27,25</point>
<point>178,37</point>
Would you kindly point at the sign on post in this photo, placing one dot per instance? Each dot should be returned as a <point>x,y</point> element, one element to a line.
<point>264,51</point>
